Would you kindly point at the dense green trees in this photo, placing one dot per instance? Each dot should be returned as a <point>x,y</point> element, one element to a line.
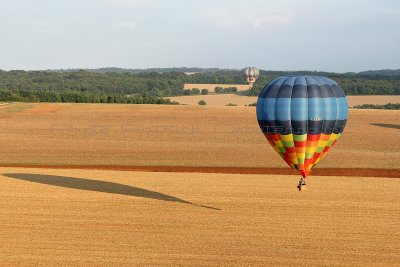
<point>224,77</point>
<point>384,82</point>
<point>124,86</point>
<point>387,106</point>
<point>352,84</point>
<point>193,91</point>
<point>144,84</point>
<point>78,97</point>
<point>226,90</point>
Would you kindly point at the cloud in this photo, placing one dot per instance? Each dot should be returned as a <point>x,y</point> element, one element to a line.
<point>250,18</point>
<point>127,24</point>
<point>137,4</point>
<point>262,21</point>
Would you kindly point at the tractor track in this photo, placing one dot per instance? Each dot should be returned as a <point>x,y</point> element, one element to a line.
<point>350,172</point>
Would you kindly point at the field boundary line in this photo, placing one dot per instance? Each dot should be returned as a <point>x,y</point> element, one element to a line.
<point>350,172</point>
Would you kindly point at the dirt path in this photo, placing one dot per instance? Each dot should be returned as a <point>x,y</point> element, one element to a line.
<point>349,172</point>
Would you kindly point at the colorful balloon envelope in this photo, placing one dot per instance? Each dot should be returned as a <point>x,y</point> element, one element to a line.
<point>302,117</point>
<point>251,75</point>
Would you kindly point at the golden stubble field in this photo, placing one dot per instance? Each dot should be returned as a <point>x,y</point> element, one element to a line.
<point>240,100</point>
<point>96,134</point>
<point>53,217</point>
<point>215,99</point>
<point>111,218</point>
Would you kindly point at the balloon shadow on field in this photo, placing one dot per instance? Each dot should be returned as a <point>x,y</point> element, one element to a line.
<point>392,126</point>
<point>98,186</point>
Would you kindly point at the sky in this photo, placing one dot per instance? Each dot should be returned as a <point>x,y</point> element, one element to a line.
<point>325,35</point>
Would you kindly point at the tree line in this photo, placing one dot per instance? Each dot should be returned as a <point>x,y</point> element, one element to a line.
<point>68,96</point>
<point>107,87</point>
<point>395,106</point>
<point>352,84</point>
<point>144,84</point>
<point>195,91</point>
<point>363,83</point>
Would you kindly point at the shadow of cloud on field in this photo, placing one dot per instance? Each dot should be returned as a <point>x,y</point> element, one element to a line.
<point>392,126</point>
<point>98,186</point>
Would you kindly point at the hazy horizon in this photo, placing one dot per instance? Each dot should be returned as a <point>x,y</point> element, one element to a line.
<point>333,36</point>
<point>229,69</point>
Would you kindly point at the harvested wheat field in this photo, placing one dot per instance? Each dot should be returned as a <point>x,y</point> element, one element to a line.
<point>146,185</point>
<point>373,99</point>
<point>240,100</point>
<point>154,135</point>
<point>211,87</point>
<point>215,100</point>
<point>95,218</point>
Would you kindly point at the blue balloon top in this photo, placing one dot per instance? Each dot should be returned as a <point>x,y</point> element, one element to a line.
<point>302,104</point>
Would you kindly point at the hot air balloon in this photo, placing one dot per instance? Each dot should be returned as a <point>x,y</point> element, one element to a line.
<point>302,117</point>
<point>251,75</point>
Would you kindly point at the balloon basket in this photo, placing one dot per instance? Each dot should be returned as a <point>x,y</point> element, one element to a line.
<point>302,185</point>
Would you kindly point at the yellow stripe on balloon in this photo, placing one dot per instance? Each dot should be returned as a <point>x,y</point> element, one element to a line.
<point>311,149</point>
<point>286,137</point>
<point>293,159</point>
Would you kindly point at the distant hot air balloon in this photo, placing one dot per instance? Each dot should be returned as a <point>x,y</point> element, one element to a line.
<point>251,75</point>
<point>302,117</point>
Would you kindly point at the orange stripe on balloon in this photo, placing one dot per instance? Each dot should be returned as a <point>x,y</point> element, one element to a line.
<point>313,137</point>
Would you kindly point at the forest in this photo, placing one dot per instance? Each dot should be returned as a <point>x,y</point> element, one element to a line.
<point>112,85</point>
